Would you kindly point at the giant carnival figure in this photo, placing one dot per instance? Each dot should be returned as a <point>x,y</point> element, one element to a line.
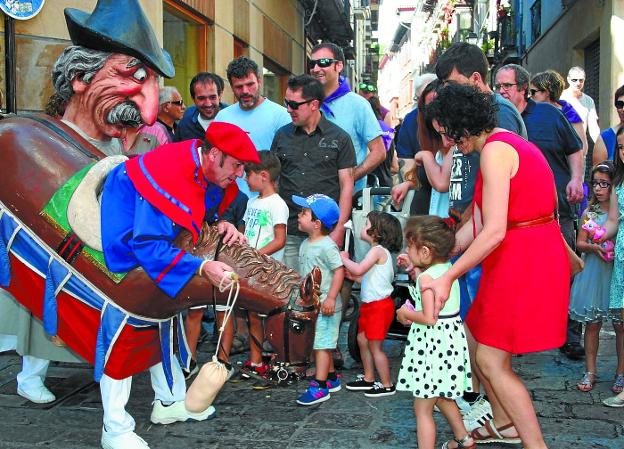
<point>103,253</point>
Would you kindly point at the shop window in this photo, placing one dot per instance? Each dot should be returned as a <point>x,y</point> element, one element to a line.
<point>275,80</point>
<point>240,48</point>
<point>185,38</point>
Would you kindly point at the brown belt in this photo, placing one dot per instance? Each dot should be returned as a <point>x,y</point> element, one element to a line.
<point>528,223</point>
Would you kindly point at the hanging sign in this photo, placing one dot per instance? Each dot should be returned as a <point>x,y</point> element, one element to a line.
<point>21,9</point>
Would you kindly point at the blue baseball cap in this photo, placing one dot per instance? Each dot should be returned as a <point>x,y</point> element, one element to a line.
<point>323,207</point>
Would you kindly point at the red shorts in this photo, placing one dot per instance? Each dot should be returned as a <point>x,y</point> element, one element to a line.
<point>375,318</point>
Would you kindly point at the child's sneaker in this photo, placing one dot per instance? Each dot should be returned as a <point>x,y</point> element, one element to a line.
<point>249,370</point>
<point>379,390</point>
<point>313,395</point>
<point>334,385</point>
<point>359,384</point>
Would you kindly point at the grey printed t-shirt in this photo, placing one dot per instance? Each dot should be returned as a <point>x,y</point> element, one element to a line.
<point>324,254</point>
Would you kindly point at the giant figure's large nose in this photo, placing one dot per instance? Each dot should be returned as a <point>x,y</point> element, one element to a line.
<point>146,98</point>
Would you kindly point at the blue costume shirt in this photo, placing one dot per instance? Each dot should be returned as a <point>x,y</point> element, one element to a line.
<point>135,233</point>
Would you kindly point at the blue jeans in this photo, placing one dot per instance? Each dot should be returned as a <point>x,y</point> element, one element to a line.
<point>468,286</point>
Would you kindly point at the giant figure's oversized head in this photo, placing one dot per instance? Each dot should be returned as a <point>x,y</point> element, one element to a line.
<point>109,77</point>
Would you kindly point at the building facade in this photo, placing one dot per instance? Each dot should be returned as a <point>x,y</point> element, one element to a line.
<point>200,35</point>
<point>562,34</point>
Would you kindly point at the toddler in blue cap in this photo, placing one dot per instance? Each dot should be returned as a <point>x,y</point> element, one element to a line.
<point>317,218</point>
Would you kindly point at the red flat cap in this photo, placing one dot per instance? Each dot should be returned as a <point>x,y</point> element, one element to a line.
<point>233,141</point>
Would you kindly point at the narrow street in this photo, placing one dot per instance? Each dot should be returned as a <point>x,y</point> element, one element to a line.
<point>270,419</point>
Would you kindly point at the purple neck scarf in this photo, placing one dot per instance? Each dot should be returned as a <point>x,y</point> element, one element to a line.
<point>343,89</point>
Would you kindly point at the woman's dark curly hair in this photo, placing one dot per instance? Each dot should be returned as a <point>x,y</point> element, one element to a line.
<point>386,230</point>
<point>463,111</point>
<point>433,232</point>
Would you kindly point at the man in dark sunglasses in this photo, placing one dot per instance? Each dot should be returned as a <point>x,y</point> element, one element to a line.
<point>348,110</point>
<point>170,109</point>
<point>316,155</point>
<point>581,102</point>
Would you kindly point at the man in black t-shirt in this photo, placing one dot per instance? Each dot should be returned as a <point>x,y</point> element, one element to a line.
<point>316,155</point>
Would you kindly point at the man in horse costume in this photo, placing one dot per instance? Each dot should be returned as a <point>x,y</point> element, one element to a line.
<point>109,78</point>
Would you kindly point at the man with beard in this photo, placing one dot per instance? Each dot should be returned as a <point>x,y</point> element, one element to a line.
<point>206,90</point>
<point>109,79</point>
<point>254,113</point>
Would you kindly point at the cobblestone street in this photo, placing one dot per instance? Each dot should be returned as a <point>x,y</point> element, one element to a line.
<point>247,418</point>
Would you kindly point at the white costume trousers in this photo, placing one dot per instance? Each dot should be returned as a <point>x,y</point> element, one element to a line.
<point>115,394</point>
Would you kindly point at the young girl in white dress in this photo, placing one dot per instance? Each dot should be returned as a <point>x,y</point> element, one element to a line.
<point>436,366</point>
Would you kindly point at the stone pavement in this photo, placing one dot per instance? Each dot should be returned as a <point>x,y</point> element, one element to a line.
<point>270,419</point>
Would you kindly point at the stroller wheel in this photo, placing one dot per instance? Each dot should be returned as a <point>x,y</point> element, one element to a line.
<point>351,308</point>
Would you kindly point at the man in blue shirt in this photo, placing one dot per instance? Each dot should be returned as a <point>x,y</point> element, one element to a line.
<point>348,110</point>
<point>258,116</point>
<point>552,133</point>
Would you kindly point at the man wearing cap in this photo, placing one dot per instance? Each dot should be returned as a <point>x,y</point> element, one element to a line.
<point>145,204</point>
<point>109,79</point>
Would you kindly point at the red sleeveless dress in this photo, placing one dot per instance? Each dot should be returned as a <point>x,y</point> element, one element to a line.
<point>522,302</point>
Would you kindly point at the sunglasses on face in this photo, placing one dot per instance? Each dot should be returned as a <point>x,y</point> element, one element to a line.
<point>601,184</point>
<point>577,80</point>
<point>177,103</point>
<point>294,105</point>
<point>619,104</point>
<point>321,62</point>
<point>504,86</point>
<point>367,87</point>
<point>534,91</point>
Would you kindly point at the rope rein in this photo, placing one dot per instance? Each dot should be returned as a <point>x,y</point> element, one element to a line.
<point>229,281</point>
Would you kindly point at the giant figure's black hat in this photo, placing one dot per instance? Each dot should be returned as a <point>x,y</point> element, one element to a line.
<point>119,26</point>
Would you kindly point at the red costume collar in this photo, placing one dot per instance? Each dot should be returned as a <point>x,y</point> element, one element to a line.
<point>170,178</point>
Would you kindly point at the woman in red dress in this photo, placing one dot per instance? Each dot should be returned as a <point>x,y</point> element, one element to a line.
<point>522,302</point>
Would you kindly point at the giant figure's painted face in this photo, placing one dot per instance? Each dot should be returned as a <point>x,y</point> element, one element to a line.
<point>123,93</point>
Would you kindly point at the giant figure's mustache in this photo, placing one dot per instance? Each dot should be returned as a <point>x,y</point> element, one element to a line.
<point>126,114</point>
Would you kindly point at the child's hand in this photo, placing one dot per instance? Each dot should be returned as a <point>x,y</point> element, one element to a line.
<point>344,255</point>
<point>403,260</point>
<point>598,249</point>
<point>328,306</point>
<point>401,318</point>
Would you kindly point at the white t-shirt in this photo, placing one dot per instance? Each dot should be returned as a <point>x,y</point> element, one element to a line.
<point>584,107</point>
<point>261,215</point>
<point>203,122</point>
